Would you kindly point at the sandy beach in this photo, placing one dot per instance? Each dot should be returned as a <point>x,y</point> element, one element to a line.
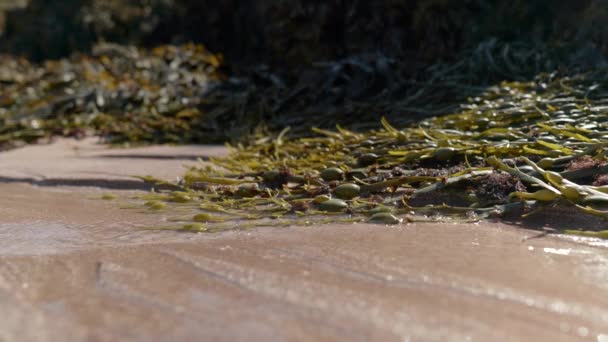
<point>75,267</point>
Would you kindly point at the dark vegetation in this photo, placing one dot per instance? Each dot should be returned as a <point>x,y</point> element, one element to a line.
<point>297,32</point>
<point>285,63</point>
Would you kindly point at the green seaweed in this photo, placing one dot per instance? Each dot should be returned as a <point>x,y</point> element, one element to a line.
<point>510,151</point>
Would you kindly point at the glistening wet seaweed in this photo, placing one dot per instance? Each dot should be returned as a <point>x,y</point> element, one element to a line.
<point>516,149</point>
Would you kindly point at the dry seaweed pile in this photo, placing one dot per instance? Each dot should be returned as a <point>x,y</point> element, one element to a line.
<point>516,149</point>
<point>121,93</point>
<point>291,63</point>
<point>184,94</point>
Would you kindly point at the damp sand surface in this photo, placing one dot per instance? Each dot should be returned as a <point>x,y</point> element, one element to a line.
<point>88,163</point>
<point>85,268</point>
<point>74,267</point>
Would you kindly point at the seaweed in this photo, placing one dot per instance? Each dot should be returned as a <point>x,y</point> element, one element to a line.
<point>513,149</point>
<point>305,118</point>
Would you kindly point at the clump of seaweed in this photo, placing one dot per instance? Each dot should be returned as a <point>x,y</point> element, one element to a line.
<point>187,94</point>
<point>517,148</point>
<point>495,188</point>
<point>121,93</point>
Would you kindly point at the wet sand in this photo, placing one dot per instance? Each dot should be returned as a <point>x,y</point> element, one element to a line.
<point>73,267</point>
<point>87,163</point>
